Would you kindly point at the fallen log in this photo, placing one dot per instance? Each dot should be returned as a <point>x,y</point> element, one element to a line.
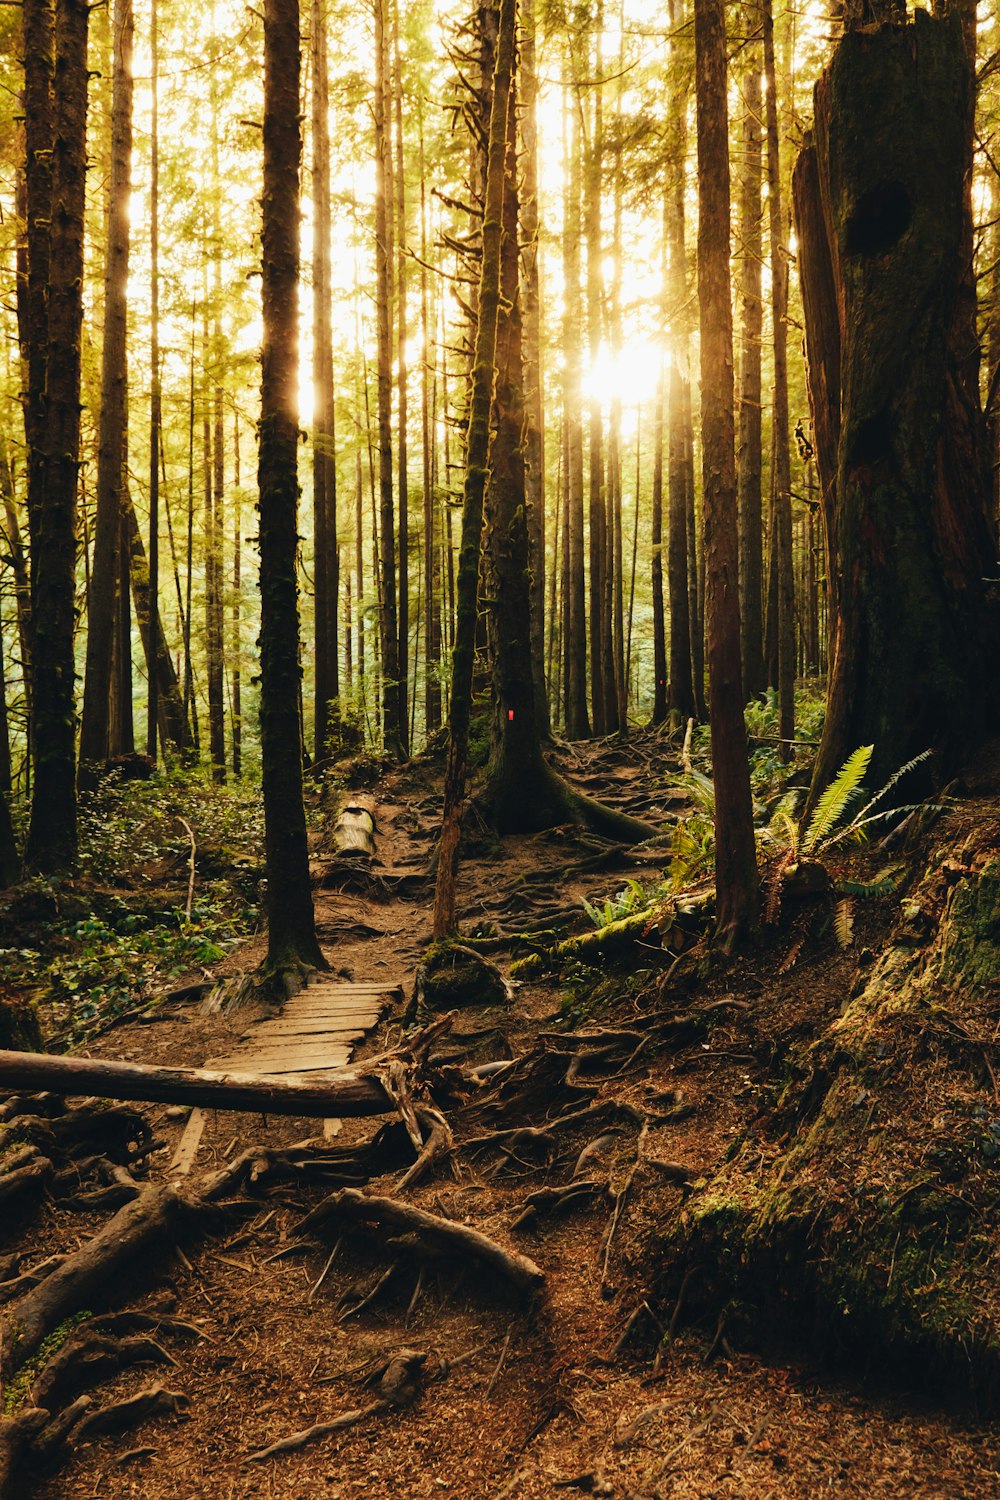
<point>340,1094</point>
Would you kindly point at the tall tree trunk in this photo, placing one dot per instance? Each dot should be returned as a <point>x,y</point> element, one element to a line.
<point>173,723</point>
<point>781,477</point>
<point>476,468</point>
<point>737,890</point>
<point>577,720</point>
<point>190,705</point>
<point>432,571</point>
<point>104,645</point>
<point>52,830</point>
<point>215,496</point>
<point>749,458</point>
<point>33,278</point>
<point>908,512</point>
<point>401,387</point>
<point>236,655</point>
<point>326,569</point>
<point>656,563</point>
<point>155,391</point>
<point>391,718</point>
<point>534,432</point>
<point>681,590</point>
<point>291,925</point>
<point>601,664</point>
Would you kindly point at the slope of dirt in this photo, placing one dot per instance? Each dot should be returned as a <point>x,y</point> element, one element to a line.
<point>616,1380</point>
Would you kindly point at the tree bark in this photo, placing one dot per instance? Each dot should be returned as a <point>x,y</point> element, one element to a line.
<point>749,458</point>
<point>291,927</point>
<point>477,459</point>
<point>388,615</point>
<point>908,516</point>
<point>155,390</point>
<point>735,855</point>
<point>681,595</point>
<point>52,830</point>
<point>576,717</point>
<point>534,434</point>
<point>326,568</point>
<point>104,604</point>
<point>781,478</point>
<point>402,392</point>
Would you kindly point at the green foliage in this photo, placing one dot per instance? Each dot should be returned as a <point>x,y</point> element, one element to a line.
<point>633,897</point>
<point>17,1389</point>
<point>104,945</point>
<point>833,804</point>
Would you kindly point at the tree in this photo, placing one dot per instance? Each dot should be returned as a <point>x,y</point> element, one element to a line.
<point>291,930</point>
<point>392,716</point>
<point>326,567</point>
<point>737,890</point>
<point>55,235</point>
<point>109,587</point>
<point>749,443</point>
<point>883,210</point>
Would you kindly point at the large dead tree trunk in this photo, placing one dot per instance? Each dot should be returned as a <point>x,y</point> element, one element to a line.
<point>884,225</point>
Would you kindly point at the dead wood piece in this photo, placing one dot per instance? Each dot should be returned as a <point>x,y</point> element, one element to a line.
<point>150,1220</point>
<point>438,1145</point>
<point>16,1436</point>
<point>9,1290</point>
<point>346,1094</point>
<point>24,1181</point>
<point>299,1440</point>
<point>557,1200</point>
<point>355,830</point>
<point>358,1301</point>
<point>90,1359</point>
<point>154,1401</point>
<point>427,1234</point>
<point>399,1381</point>
<point>32,1104</point>
<point>54,1436</point>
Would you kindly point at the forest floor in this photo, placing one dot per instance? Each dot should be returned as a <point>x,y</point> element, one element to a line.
<point>602,1384</point>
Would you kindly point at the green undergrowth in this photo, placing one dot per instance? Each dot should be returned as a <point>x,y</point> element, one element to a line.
<point>18,1388</point>
<point>91,947</point>
<point>859,1212</point>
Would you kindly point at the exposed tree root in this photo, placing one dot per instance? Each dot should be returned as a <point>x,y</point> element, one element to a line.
<point>399,1383</point>
<point>428,1235</point>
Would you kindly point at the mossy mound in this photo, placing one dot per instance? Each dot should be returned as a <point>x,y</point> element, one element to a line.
<point>453,977</point>
<point>864,1212</point>
<point>20,1030</point>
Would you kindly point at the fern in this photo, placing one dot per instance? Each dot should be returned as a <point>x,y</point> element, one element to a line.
<point>832,805</point>
<point>843,923</point>
<point>867,888</point>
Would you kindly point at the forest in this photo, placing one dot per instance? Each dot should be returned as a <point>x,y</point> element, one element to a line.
<point>499,749</point>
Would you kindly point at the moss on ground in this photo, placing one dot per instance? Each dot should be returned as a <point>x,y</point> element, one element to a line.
<point>861,1213</point>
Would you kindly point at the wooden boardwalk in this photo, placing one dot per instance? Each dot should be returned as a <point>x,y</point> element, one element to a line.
<point>314,1035</point>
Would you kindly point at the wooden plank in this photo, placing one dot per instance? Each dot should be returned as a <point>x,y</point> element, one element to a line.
<point>350,987</point>
<point>328,1061</point>
<point>295,1034</point>
<point>334,1041</point>
<point>187,1146</point>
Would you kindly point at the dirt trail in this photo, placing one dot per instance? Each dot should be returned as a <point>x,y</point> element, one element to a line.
<point>273,1334</point>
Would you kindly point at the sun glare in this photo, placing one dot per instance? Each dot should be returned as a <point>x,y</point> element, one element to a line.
<point>631,374</point>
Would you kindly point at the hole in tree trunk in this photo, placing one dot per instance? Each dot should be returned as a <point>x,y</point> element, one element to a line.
<point>880,220</point>
<point>872,441</point>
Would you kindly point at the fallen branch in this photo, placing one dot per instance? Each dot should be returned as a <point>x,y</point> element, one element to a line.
<point>344,1094</point>
<point>400,1381</point>
<point>427,1233</point>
